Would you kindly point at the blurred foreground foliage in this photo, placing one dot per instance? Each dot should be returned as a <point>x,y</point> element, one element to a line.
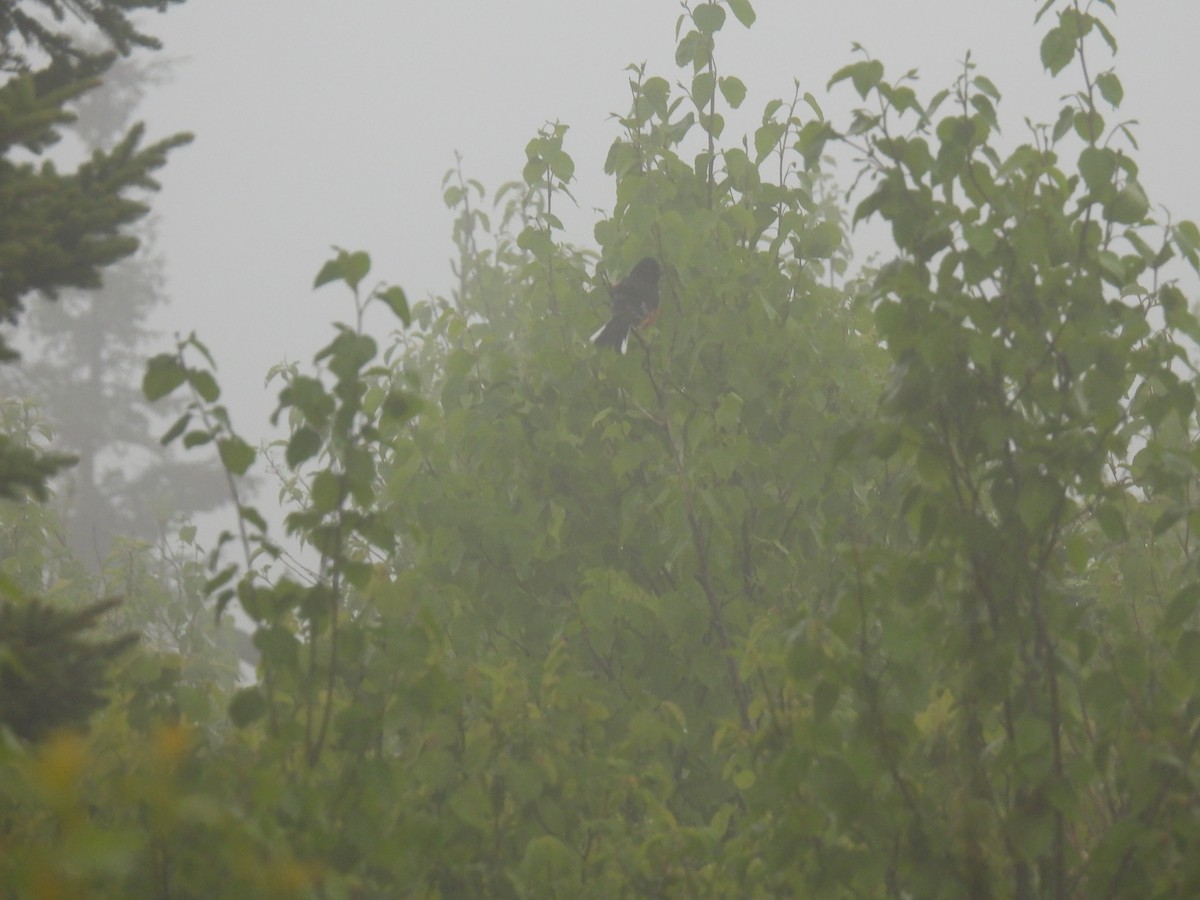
<point>835,586</point>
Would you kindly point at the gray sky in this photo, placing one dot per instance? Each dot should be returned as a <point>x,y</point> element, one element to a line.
<point>336,125</point>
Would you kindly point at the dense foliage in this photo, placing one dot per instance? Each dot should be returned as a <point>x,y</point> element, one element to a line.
<point>833,586</point>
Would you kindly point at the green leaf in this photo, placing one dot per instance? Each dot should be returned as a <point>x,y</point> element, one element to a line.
<point>357,265</point>
<point>1103,29</point>
<point>278,645</point>
<point>814,105</point>
<point>864,75</point>
<point>742,11</point>
<point>1112,522</point>
<point>548,861</point>
<point>744,779</point>
<point>743,174</point>
<point>163,375</point>
<point>1110,88</point>
<point>247,706</point>
<point>470,804</point>
<point>358,574</point>
<point>400,406</point>
<point>1113,268</point>
<point>1098,166</point>
<point>766,139</point>
<point>236,455</point>
<point>702,88</point>
<point>176,430</point>
<point>535,240</point>
<point>304,444</point>
<point>733,91</point>
<point>1187,238</point>
<point>1129,206</point>
<point>331,271</point>
<point>308,395</point>
<point>351,268</point>
<point>729,411</point>
<point>1064,123</point>
<point>1037,502</point>
<point>693,49</point>
<point>223,577</point>
<point>347,354</point>
<point>1058,49</point>
<point>1078,552</point>
<point>253,516</point>
<point>204,383</point>
<point>197,438</point>
<point>201,348</point>
<point>562,167</point>
<point>812,140</point>
<point>326,492</point>
<point>985,84</point>
<point>1089,125</point>
<point>713,124</point>
<point>397,301</point>
<point>709,17</point>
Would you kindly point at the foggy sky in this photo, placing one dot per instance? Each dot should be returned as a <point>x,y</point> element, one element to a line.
<point>336,125</point>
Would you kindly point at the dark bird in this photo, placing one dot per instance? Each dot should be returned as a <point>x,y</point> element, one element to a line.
<point>634,302</point>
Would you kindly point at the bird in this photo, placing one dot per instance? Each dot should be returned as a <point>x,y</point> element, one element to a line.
<point>634,302</point>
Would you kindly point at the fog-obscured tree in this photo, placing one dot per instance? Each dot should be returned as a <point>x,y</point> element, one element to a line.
<point>82,361</point>
<point>58,230</point>
<point>61,229</point>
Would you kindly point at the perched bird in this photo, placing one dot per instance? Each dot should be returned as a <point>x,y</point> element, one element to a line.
<point>634,302</point>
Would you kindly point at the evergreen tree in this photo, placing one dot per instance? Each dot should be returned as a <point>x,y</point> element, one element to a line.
<point>58,230</point>
<point>61,229</point>
<point>50,676</point>
<point>82,360</point>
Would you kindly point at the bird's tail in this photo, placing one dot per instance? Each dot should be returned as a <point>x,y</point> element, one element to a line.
<point>613,334</point>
